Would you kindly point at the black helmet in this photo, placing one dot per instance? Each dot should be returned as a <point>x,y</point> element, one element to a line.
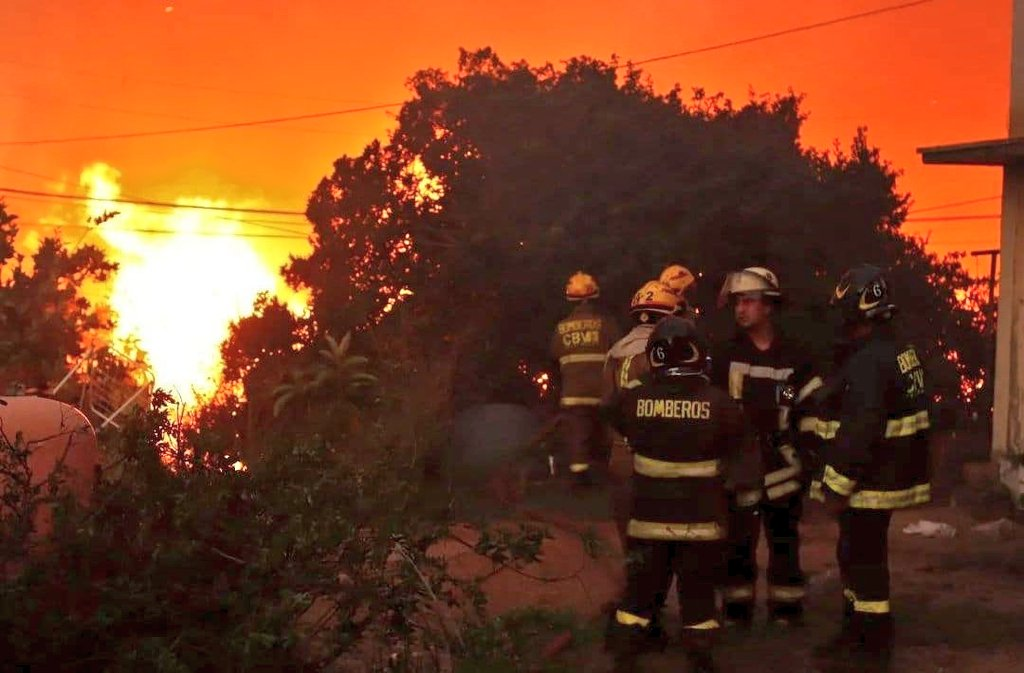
<point>676,347</point>
<point>863,295</point>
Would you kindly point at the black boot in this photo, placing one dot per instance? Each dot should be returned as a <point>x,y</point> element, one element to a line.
<point>786,614</point>
<point>697,646</point>
<point>840,647</point>
<point>878,635</point>
<point>846,636</point>
<point>739,615</point>
<point>701,662</point>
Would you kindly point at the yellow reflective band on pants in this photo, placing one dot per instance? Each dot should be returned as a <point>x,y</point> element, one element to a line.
<point>748,498</point>
<point>908,425</point>
<point>576,468</point>
<point>908,497</point>
<point>781,594</point>
<point>704,626</point>
<point>840,484</point>
<point>776,492</point>
<point>651,467</point>
<point>849,595</point>
<point>741,594</point>
<point>871,607</point>
<point>580,401</point>
<point>629,619</point>
<point>655,530</point>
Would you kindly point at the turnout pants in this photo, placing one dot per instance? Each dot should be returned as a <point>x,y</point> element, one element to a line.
<point>620,487</point>
<point>863,556</point>
<point>781,521</point>
<point>585,440</point>
<point>650,567</point>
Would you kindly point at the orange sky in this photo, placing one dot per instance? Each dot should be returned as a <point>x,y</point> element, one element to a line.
<point>926,75</point>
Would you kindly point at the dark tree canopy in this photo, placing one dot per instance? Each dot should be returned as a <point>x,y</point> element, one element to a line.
<point>44,316</point>
<point>502,179</point>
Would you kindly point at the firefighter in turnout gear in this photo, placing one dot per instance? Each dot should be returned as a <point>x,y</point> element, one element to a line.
<point>764,371</point>
<point>579,344</point>
<point>625,364</point>
<point>691,446</point>
<point>875,460</point>
<point>679,280</point>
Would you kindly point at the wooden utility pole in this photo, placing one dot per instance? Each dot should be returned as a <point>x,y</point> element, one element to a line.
<point>1008,407</point>
<point>993,256</point>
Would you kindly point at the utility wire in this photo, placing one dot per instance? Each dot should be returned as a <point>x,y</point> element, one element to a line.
<point>155,204</point>
<point>197,129</point>
<point>383,106</point>
<point>779,33</point>
<point>149,230</point>
<point>131,79</point>
<point>954,204</point>
<point>161,115</point>
<point>283,226</point>
<point>264,224</point>
<point>952,218</point>
<point>173,232</point>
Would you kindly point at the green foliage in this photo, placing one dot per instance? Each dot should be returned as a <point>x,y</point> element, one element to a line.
<point>306,558</point>
<point>515,642</point>
<point>334,374</point>
<point>44,317</point>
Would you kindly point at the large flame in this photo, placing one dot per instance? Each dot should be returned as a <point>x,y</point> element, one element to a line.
<point>175,295</point>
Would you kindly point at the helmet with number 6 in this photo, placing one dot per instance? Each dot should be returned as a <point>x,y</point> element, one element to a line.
<point>863,295</point>
<point>676,348</point>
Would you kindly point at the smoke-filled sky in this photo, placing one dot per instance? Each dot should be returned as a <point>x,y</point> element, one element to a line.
<point>929,74</point>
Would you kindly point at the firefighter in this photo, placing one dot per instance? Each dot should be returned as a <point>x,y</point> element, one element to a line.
<point>875,460</point>
<point>680,280</point>
<point>625,364</point>
<point>760,367</point>
<point>579,344</point>
<point>690,447</point>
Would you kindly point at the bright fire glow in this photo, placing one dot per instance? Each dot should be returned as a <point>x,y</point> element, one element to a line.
<point>175,295</point>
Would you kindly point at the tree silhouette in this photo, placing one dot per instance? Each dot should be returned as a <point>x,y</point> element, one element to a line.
<point>452,239</point>
<point>44,317</point>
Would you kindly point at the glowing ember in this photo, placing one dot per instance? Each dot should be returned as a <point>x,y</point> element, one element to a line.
<point>543,382</point>
<point>176,294</point>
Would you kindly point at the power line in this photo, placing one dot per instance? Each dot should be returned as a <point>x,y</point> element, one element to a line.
<point>272,225</point>
<point>18,171</point>
<point>953,218</point>
<point>779,33</point>
<point>155,204</point>
<point>173,232</point>
<point>197,129</point>
<point>266,224</point>
<point>149,230</point>
<point>145,113</point>
<point>954,204</point>
<point>126,79</point>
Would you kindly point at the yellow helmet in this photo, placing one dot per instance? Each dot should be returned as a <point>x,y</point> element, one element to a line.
<point>678,278</point>
<point>654,297</point>
<point>581,286</point>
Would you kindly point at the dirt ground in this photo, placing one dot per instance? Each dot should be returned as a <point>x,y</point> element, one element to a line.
<point>958,602</point>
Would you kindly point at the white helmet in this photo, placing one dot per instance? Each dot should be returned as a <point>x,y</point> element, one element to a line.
<point>753,279</point>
